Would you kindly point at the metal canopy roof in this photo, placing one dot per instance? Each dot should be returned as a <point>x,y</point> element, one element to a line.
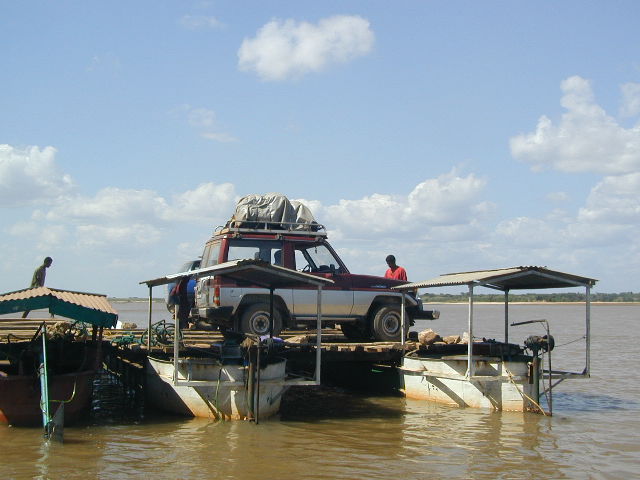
<point>253,272</point>
<point>87,307</point>
<point>514,278</point>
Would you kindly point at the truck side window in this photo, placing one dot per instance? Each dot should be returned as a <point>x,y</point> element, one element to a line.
<point>211,254</point>
<point>240,249</point>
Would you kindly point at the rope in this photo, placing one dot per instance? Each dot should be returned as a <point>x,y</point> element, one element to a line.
<point>572,341</point>
<point>524,395</point>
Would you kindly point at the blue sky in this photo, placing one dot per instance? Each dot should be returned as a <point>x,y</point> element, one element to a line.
<point>456,135</point>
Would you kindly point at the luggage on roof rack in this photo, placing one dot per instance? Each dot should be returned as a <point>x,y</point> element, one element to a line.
<point>272,211</point>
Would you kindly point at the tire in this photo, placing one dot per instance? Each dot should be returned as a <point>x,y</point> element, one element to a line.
<point>387,322</point>
<point>355,331</point>
<point>255,320</point>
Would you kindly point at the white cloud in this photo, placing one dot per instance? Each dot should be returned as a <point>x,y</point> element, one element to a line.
<point>290,49</point>
<point>199,22</point>
<point>123,235</point>
<point>23,228</point>
<point>585,140</point>
<point>450,200</point>
<point>526,232</point>
<point>608,222</point>
<point>201,117</point>
<point>29,176</point>
<point>630,100</point>
<point>373,214</point>
<point>117,216</point>
<point>208,203</point>
<point>559,197</point>
<point>614,200</point>
<point>110,204</point>
<point>52,236</point>
<point>204,120</point>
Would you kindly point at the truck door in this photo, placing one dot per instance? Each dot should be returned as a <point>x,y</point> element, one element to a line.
<point>337,299</point>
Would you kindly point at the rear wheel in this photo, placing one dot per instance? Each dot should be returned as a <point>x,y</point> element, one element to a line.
<point>255,320</point>
<point>387,323</point>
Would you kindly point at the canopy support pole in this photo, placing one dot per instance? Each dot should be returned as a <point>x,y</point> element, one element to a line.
<point>44,383</point>
<point>149,320</point>
<point>271,290</point>
<point>402,322</point>
<point>470,369</point>
<point>506,316</point>
<point>588,331</point>
<point>318,336</point>
<point>176,342</point>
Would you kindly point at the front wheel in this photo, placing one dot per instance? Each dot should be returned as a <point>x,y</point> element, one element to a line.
<point>255,320</point>
<point>387,323</point>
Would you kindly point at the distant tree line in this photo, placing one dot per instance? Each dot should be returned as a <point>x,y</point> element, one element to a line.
<point>532,297</point>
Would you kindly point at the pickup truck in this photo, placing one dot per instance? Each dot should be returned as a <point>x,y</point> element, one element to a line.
<point>364,306</point>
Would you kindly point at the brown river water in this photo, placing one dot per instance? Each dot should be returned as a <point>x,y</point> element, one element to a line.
<point>593,433</point>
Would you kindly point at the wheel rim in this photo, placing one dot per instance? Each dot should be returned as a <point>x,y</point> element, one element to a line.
<point>260,323</point>
<point>391,323</point>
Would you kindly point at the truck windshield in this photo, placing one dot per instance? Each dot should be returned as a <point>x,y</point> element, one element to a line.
<point>316,258</point>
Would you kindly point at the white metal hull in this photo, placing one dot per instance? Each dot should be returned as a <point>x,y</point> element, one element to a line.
<point>223,397</point>
<point>496,384</point>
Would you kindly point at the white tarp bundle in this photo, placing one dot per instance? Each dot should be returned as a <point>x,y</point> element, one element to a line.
<point>272,210</point>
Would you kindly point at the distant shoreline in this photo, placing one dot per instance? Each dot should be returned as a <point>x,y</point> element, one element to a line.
<point>476,302</point>
<point>134,300</point>
<point>539,302</point>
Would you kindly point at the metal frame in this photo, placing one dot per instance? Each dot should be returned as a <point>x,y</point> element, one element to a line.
<point>500,281</point>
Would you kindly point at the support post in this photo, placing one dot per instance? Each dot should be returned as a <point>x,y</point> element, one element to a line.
<point>535,374</point>
<point>506,316</point>
<point>256,404</point>
<point>402,321</point>
<point>588,331</point>
<point>251,370</point>
<point>176,335</point>
<point>271,313</point>
<point>470,369</point>
<point>318,336</point>
<point>149,320</point>
<point>44,383</point>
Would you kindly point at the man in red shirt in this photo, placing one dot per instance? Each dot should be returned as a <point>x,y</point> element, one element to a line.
<point>394,271</point>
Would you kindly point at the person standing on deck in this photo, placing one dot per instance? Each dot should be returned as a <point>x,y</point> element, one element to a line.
<point>395,271</point>
<point>38,278</point>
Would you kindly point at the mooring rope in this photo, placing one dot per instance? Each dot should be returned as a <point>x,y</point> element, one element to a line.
<point>524,395</point>
<point>572,341</point>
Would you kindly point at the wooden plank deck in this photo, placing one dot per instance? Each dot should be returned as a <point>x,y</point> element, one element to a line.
<point>335,346</point>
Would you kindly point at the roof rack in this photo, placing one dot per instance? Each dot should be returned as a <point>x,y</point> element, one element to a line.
<point>275,228</point>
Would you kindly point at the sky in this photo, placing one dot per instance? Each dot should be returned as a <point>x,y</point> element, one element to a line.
<point>456,135</point>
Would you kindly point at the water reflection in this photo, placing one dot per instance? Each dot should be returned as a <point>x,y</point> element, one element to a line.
<point>473,443</point>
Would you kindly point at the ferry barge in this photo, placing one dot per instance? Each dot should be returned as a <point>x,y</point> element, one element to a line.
<point>494,375</point>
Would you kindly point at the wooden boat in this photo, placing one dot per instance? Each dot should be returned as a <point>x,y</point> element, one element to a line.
<point>57,367</point>
<point>70,381</point>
